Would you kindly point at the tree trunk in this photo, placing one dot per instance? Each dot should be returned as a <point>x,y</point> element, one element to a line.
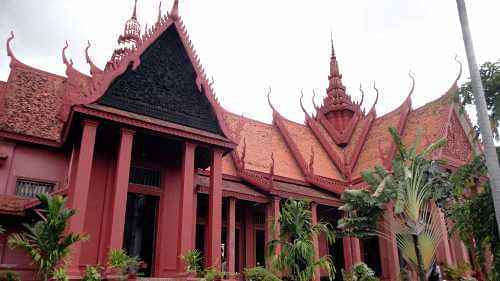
<point>420,263</point>
<point>482,113</point>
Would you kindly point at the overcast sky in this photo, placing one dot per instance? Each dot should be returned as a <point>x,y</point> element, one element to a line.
<point>248,46</point>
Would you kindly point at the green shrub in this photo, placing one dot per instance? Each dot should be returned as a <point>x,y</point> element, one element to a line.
<point>212,274</point>
<point>9,276</point>
<point>456,273</point>
<point>125,264</point>
<point>259,274</point>
<point>360,272</point>
<point>59,274</point>
<point>193,261</point>
<point>92,273</point>
<point>47,242</point>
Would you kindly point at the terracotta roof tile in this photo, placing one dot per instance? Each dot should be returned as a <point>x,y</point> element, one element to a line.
<point>379,134</point>
<point>305,141</point>
<point>262,140</point>
<point>429,121</point>
<point>31,102</point>
<point>12,205</point>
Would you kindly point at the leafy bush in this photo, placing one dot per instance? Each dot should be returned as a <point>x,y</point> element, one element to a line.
<point>360,272</point>
<point>46,242</point>
<point>193,261</point>
<point>259,274</point>
<point>212,274</point>
<point>125,264</point>
<point>9,276</point>
<point>92,273</point>
<point>456,273</point>
<point>60,274</point>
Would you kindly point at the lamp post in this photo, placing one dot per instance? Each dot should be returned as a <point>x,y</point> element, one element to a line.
<point>482,113</point>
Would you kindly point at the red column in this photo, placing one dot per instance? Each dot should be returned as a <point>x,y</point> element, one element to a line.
<point>119,199</point>
<point>272,225</point>
<point>249,238</point>
<point>389,256</point>
<point>215,210</point>
<point>346,242</point>
<point>347,247</point>
<point>356,251</point>
<point>314,220</point>
<point>444,251</point>
<point>231,235</point>
<point>78,194</point>
<point>186,224</point>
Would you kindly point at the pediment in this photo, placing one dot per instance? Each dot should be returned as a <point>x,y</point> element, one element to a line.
<point>164,86</point>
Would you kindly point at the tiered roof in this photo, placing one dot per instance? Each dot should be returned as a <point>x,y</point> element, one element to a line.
<point>326,154</point>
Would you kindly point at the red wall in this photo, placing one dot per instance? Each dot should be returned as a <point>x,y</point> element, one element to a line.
<point>32,162</point>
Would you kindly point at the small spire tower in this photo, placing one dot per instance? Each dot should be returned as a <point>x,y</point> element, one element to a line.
<point>130,37</point>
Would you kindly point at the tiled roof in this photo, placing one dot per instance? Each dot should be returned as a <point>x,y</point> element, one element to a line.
<point>308,143</point>
<point>31,101</point>
<point>12,205</point>
<point>262,140</point>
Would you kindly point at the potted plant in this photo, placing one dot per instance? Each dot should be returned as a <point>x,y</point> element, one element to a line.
<point>193,261</point>
<point>122,266</point>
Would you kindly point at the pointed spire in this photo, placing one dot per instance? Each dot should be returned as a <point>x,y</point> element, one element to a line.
<point>134,14</point>
<point>174,12</point>
<point>131,36</point>
<point>335,87</point>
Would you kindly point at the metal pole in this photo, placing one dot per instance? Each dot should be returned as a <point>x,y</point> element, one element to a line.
<point>482,113</point>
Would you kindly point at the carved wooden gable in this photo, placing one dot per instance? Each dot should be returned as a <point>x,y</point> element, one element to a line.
<point>164,87</point>
<point>458,145</point>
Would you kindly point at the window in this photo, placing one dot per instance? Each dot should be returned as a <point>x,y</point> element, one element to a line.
<point>143,176</point>
<point>30,188</point>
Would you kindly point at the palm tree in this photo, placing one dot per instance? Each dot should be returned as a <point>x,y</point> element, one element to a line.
<point>296,258</point>
<point>45,241</point>
<point>410,187</point>
<point>482,112</point>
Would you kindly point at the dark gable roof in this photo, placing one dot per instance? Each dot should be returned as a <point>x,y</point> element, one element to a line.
<point>163,87</point>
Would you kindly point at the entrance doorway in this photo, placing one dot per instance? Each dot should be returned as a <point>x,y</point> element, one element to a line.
<point>140,229</point>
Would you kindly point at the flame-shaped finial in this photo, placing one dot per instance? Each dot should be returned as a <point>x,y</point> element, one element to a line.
<point>376,97</point>
<point>10,53</point>
<point>362,95</point>
<point>313,101</point>
<point>269,99</point>
<point>174,12</point>
<point>134,13</point>
<point>64,59</point>
<point>302,104</point>
<point>412,77</point>
<point>159,13</point>
<point>459,70</point>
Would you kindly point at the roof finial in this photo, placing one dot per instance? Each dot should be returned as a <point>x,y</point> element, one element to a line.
<point>10,53</point>
<point>410,73</point>
<point>362,95</point>
<point>460,69</point>
<point>331,42</point>
<point>134,14</point>
<point>302,105</point>
<point>376,98</point>
<point>174,12</point>
<point>159,13</point>
<point>65,60</point>
<point>313,100</point>
<point>269,99</point>
<point>336,92</point>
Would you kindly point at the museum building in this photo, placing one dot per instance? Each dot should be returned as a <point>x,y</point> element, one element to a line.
<point>152,162</point>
